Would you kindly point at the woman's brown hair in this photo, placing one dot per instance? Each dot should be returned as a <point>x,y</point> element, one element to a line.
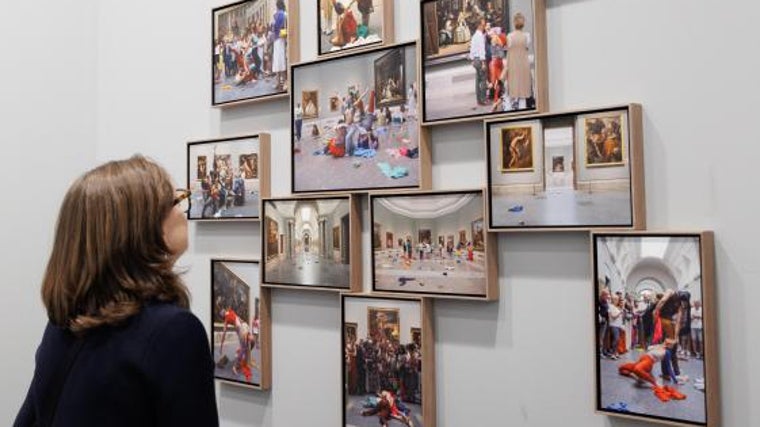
<point>109,256</point>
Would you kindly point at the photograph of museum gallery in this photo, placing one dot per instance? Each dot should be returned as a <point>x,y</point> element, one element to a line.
<point>251,50</point>
<point>655,348</point>
<point>482,58</point>
<point>388,362</point>
<point>227,177</point>
<point>572,170</point>
<point>345,25</point>
<point>312,243</point>
<point>355,123</point>
<point>240,318</point>
<point>433,244</point>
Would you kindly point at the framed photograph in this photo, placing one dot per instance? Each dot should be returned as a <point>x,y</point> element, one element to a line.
<point>586,171</point>
<point>251,50</point>
<point>350,25</point>
<point>516,149</point>
<point>228,177</point>
<point>662,366</point>
<point>310,99</point>
<point>604,139</point>
<point>241,328</point>
<point>372,139</point>
<point>422,266</point>
<point>390,79</point>
<point>482,59</point>
<point>375,390</point>
<point>310,256</point>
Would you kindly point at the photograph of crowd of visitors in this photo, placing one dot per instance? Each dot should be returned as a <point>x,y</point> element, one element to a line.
<point>362,130</point>
<point>382,367</point>
<point>347,24</point>
<point>250,50</point>
<point>479,58</point>
<point>235,295</point>
<point>650,326</point>
<point>224,178</point>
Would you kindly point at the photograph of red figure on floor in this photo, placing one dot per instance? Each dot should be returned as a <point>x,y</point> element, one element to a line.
<point>650,339</point>
<point>382,362</point>
<point>347,24</point>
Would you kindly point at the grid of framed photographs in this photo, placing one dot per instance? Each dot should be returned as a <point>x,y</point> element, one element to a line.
<point>362,115</point>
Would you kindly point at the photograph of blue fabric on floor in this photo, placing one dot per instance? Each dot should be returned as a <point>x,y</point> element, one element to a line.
<point>650,341</point>
<point>235,304</point>
<point>362,131</point>
<point>561,171</point>
<point>429,244</point>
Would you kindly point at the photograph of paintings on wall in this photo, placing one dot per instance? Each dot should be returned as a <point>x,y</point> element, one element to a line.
<point>250,52</point>
<point>479,58</point>
<point>650,341</point>
<point>224,178</point>
<point>421,265</point>
<point>314,248</point>
<point>561,171</point>
<point>235,296</point>
<point>371,141</point>
<point>347,24</point>
<point>382,370</point>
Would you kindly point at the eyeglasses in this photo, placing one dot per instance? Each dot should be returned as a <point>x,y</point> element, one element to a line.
<point>182,199</point>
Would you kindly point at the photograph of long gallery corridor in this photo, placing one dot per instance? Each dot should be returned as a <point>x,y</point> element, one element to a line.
<point>568,170</point>
<point>429,243</point>
<point>650,328</point>
<point>306,242</point>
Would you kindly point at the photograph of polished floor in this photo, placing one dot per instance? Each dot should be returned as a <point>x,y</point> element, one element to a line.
<point>451,275</point>
<point>307,269</point>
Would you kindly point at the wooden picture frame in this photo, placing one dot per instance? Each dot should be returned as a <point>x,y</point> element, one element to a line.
<point>327,21</point>
<point>226,192</point>
<point>411,314</point>
<point>445,43</point>
<point>309,223</point>
<point>232,84</point>
<point>610,197</point>
<point>680,266</point>
<point>225,277</point>
<point>370,146</point>
<point>433,270</point>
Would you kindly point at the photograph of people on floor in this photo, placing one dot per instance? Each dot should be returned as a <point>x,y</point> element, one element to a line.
<point>307,242</point>
<point>363,133</point>
<point>346,24</point>
<point>429,243</point>
<point>224,179</point>
<point>382,363</point>
<point>250,50</point>
<point>650,327</point>
<point>479,57</point>
<point>235,297</point>
<point>561,171</point>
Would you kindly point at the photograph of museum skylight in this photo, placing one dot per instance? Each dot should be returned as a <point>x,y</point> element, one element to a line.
<point>429,243</point>
<point>650,328</point>
<point>571,170</point>
<point>306,242</point>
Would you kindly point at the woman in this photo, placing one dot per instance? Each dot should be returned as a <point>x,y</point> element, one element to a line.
<point>279,55</point>
<point>121,347</point>
<point>616,325</point>
<point>517,72</point>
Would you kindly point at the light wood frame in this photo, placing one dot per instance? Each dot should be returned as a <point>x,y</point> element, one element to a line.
<point>427,322</point>
<point>387,29</point>
<point>709,324</point>
<point>265,330</point>
<point>424,159</point>
<point>264,171</point>
<point>540,76</point>
<point>490,251</point>
<point>354,245</point>
<point>634,156</point>
<point>293,53</point>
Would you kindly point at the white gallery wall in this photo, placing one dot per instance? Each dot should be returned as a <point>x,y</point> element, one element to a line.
<point>85,82</point>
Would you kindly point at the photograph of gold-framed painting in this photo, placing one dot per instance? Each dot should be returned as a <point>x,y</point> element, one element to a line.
<point>252,48</point>
<point>516,149</point>
<point>350,25</point>
<point>604,137</point>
